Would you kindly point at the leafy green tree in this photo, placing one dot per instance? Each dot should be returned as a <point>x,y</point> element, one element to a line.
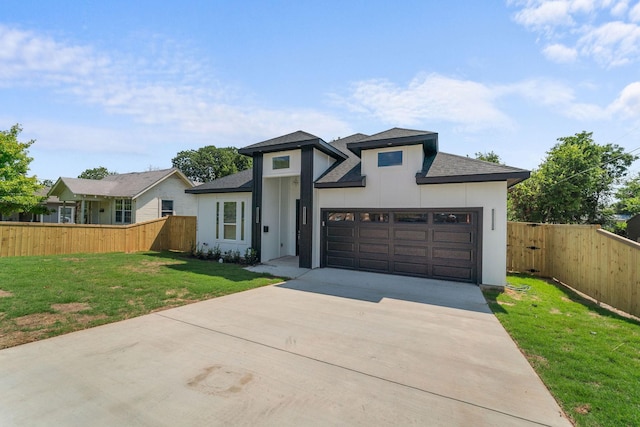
<point>47,182</point>
<point>628,196</point>
<point>489,157</point>
<point>96,173</point>
<point>573,184</point>
<point>210,163</point>
<point>17,190</point>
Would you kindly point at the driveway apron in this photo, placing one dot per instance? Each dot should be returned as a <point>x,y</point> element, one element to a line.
<point>332,347</point>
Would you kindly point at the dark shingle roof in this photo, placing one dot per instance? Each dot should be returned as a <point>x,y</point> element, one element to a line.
<point>292,141</point>
<point>444,168</point>
<point>236,183</point>
<point>396,137</point>
<point>346,173</point>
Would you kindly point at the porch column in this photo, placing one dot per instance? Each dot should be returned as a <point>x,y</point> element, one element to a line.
<point>306,207</point>
<point>256,202</point>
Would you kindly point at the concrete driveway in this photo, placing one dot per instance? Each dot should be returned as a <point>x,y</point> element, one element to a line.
<point>332,347</point>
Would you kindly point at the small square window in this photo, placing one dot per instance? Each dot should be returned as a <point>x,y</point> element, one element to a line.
<point>167,207</point>
<point>390,158</point>
<point>281,162</point>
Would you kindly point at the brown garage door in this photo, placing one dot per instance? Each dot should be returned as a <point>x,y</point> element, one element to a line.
<point>434,243</point>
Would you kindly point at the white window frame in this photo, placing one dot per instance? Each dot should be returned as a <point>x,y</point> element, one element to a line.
<point>123,211</point>
<point>240,223</point>
<point>166,212</point>
<point>71,217</point>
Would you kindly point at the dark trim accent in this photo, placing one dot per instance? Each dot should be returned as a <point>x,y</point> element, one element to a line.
<point>256,204</point>
<point>218,190</point>
<point>512,177</point>
<point>345,184</point>
<point>315,143</point>
<point>306,208</point>
<point>430,143</point>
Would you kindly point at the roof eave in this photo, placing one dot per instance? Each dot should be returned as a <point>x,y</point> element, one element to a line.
<point>362,182</point>
<point>315,142</point>
<point>512,178</point>
<point>217,190</point>
<point>429,141</point>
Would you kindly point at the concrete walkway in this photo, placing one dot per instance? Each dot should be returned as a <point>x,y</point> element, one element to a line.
<point>331,347</point>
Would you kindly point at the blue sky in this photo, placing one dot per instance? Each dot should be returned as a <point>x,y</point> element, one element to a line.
<point>129,84</point>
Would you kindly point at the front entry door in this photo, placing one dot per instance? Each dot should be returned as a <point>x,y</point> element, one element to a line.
<point>297,227</point>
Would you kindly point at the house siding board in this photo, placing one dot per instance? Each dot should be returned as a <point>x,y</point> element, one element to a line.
<point>148,204</point>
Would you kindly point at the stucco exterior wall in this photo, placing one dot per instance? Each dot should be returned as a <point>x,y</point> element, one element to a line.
<point>395,187</point>
<point>295,161</point>
<point>206,211</point>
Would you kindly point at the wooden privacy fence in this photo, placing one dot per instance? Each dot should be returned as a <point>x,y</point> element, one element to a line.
<point>591,260</point>
<point>29,238</point>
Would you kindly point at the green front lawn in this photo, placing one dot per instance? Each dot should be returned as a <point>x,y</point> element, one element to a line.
<point>41,297</point>
<point>587,356</point>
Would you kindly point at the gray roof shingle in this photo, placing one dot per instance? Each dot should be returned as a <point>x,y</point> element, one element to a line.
<point>120,185</point>
<point>292,141</point>
<point>346,173</point>
<point>442,168</point>
<point>238,182</point>
<point>397,137</point>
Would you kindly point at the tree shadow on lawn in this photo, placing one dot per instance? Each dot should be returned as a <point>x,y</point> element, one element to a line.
<point>186,263</point>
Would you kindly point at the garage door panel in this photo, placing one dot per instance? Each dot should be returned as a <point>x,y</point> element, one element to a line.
<point>463,236</point>
<point>411,268</point>
<point>452,254</point>
<point>347,247</point>
<point>340,231</point>
<point>411,235</point>
<point>411,251</point>
<point>415,242</point>
<point>373,233</point>
<point>373,264</point>
<point>340,262</point>
<point>451,272</point>
<point>372,248</point>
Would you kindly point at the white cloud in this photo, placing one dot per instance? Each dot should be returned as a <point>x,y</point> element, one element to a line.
<point>169,89</point>
<point>560,53</point>
<point>473,106</point>
<point>427,97</point>
<point>634,13</point>
<point>578,27</point>
<point>612,44</point>
<point>627,105</point>
<point>619,9</point>
<point>543,14</point>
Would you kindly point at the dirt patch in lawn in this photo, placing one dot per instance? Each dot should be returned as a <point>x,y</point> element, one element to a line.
<point>38,320</point>
<point>5,294</point>
<point>72,307</point>
<point>14,338</point>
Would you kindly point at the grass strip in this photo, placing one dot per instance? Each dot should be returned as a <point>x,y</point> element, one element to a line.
<point>41,297</point>
<point>588,356</point>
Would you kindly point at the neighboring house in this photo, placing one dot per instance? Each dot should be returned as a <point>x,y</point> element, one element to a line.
<point>124,198</point>
<point>633,228</point>
<point>390,202</point>
<point>52,203</point>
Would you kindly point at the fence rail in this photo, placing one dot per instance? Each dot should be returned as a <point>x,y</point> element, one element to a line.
<point>28,238</point>
<point>591,260</point>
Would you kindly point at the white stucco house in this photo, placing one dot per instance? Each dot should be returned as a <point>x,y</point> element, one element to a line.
<point>124,198</point>
<point>389,202</point>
